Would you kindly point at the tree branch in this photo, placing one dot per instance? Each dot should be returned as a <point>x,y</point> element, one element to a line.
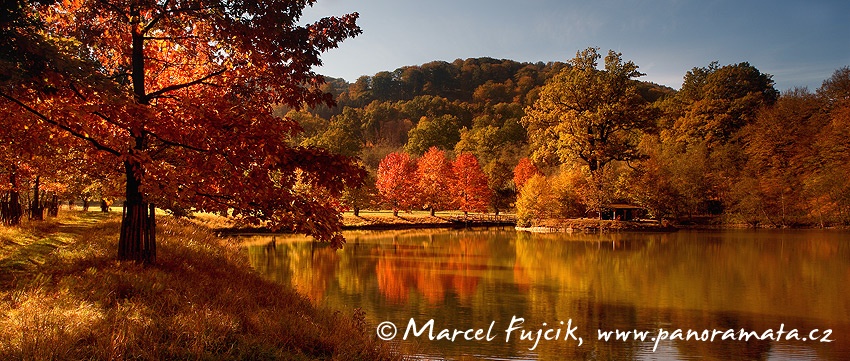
<point>170,37</point>
<point>183,85</point>
<point>66,128</point>
<point>99,114</point>
<point>173,143</point>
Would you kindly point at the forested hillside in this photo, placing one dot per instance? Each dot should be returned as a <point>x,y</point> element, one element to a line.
<point>726,145</point>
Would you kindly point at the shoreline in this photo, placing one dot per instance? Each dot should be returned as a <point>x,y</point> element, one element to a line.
<point>384,221</point>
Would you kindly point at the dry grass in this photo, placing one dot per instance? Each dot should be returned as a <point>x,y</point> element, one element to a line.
<point>65,297</point>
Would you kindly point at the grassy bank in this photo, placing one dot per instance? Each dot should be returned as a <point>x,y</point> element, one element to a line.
<point>64,296</point>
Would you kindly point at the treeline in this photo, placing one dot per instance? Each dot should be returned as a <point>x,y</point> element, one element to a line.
<point>727,146</point>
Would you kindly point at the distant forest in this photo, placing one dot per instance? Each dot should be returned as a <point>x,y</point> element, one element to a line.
<point>727,147</point>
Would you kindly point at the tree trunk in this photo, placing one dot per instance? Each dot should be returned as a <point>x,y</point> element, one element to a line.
<point>13,212</point>
<point>432,211</point>
<point>395,212</point>
<point>36,210</point>
<point>104,206</point>
<point>85,204</point>
<point>138,224</point>
<point>53,206</point>
<point>356,212</point>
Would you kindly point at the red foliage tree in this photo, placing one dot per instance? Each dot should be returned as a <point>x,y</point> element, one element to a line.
<point>180,94</point>
<point>435,179</point>
<point>523,171</point>
<point>470,190</point>
<point>397,182</point>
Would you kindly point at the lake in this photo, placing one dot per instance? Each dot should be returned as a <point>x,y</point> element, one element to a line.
<point>779,287</point>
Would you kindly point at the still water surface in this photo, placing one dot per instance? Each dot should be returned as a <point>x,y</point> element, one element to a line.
<point>463,279</point>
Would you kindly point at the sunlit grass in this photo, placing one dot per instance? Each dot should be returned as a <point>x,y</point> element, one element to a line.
<point>66,297</point>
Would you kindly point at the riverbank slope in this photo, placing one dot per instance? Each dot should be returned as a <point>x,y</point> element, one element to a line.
<point>64,296</point>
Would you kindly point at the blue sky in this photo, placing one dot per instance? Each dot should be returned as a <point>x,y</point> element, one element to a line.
<point>800,43</point>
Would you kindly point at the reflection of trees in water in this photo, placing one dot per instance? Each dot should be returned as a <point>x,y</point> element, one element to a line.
<point>696,280</point>
<point>771,273</point>
<point>309,267</point>
<point>431,270</point>
<point>750,280</point>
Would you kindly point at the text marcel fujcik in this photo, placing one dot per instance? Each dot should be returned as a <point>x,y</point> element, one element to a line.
<point>565,331</point>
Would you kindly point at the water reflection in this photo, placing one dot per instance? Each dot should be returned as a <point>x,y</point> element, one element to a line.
<point>688,280</point>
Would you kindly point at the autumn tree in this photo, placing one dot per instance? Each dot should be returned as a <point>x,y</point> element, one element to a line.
<point>534,202</point>
<point>38,158</point>
<point>715,102</point>
<point>470,190</point>
<point>650,185</point>
<point>397,182</point>
<point>181,93</point>
<point>707,116</point>
<point>557,196</point>
<point>435,179</point>
<point>523,171</point>
<point>589,114</point>
<point>835,91</point>
<point>778,145</point>
<point>826,186</point>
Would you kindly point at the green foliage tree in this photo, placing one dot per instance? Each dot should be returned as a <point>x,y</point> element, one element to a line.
<point>440,132</point>
<point>342,136</point>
